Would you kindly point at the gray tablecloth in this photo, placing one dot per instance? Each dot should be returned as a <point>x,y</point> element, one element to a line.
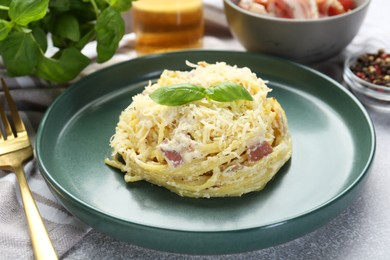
<point>361,231</point>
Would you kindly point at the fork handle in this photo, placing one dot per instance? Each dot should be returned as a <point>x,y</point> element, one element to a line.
<point>41,243</point>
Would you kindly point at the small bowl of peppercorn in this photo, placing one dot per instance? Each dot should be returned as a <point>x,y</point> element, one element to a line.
<point>367,75</point>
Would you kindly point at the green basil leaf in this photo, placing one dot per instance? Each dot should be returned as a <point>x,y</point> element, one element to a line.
<point>5,28</point>
<point>61,5</point>
<point>121,5</point>
<point>23,12</point>
<point>4,9</point>
<point>67,26</point>
<point>67,67</point>
<point>4,14</point>
<point>179,94</point>
<point>110,29</point>
<point>5,2</point>
<point>20,53</point>
<point>83,10</point>
<point>86,38</point>
<point>59,42</point>
<point>40,37</point>
<point>101,4</point>
<point>227,92</point>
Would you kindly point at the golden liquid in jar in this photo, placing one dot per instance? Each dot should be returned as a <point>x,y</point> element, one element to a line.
<point>164,25</point>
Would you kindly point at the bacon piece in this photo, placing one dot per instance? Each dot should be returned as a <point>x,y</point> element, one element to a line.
<point>173,157</point>
<point>255,6</point>
<point>180,149</point>
<point>258,151</point>
<point>298,9</point>
<point>334,7</point>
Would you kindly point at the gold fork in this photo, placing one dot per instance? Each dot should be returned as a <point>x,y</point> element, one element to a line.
<point>15,150</point>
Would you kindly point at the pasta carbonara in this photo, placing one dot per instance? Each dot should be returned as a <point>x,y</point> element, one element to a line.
<point>204,148</point>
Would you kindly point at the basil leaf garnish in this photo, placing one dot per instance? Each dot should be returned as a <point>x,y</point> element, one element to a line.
<point>179,94</point>
<point>227,92</point>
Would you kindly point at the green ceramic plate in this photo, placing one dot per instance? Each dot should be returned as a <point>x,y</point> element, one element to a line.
<point>333,139</point>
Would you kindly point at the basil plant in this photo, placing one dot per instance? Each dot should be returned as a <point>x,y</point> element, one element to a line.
<point>28,27</point>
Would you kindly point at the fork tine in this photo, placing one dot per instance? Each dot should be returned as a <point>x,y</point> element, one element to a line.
<point>7,127</point>
<point>19,126</point>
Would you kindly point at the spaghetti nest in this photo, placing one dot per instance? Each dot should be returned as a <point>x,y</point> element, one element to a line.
<point>205,148</point>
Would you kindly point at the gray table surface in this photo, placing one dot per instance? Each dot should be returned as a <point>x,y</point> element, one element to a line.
<point>361,231</point>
